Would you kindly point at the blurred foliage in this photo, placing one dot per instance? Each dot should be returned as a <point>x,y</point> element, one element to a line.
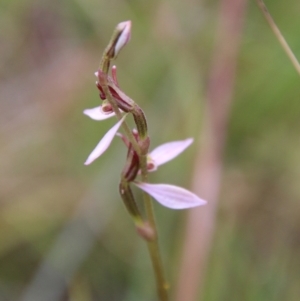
<point>60,218</point>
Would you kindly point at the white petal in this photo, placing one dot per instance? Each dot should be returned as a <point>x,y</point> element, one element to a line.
<point>98,114</point>
<point>171,196</point>
<point>169,151</point>
<point>104,143</point>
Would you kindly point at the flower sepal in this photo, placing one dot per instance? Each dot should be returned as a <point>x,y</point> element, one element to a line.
<point>171,196</point>
<point>104,143</point>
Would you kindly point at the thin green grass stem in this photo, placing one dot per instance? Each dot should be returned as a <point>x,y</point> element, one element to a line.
<point>279,35</point>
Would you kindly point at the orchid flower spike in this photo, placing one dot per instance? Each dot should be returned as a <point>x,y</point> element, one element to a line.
<point>166,152</point>
<point>171,196</point>
<point>104,143</point>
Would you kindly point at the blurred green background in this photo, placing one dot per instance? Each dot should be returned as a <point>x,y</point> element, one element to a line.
<point>64,232</point>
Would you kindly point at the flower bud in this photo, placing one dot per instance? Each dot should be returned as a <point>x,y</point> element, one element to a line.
<point>120,38</point>
<point>125,32</point>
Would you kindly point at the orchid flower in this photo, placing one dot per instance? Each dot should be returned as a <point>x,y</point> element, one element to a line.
<point>170,196</point>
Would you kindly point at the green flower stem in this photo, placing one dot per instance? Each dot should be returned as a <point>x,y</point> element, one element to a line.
<point>153,247</point>
<point>279,35</point>
<point>105,63</point>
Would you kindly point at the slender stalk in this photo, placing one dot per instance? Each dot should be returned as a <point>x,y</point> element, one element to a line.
<point>279,35</point>
<point>153,246</point>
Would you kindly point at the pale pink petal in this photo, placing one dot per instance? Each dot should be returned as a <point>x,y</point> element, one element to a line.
<point>104,143</point>
<point>171,196</point>
<point>169,151</point>
<point>98,114</point>
<point>125,29</point>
